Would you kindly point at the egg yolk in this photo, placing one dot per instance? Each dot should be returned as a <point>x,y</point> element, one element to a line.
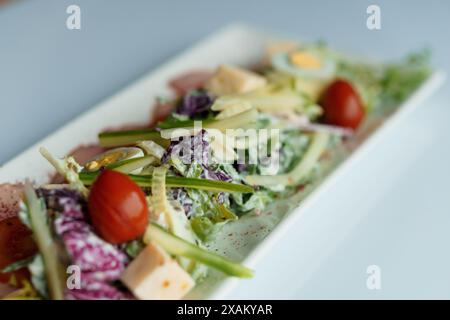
<point>105,161</point>
<point>304,60</point>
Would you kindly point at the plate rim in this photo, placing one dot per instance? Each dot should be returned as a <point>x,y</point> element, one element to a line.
<point>427,88</point>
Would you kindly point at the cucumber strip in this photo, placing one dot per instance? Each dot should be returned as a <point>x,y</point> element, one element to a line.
<point>122,138</point>
<point>233,108</point>
<point>130,165</point>
<point>317,146</point>
<point>129,137</point>
<point>263,100</point>
<point>159,197</point>
<point>176,219</point>
<point>179,247</point>
<point>47,247</point>
<point>181,124</point>
<point>88,178</point>
<point>236,121</point>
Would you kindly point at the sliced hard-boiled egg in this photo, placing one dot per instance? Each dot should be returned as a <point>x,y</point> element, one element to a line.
<point>151,148</point>
<point>114,156</point>
<point>305,60</point>
<point>273,48</point>
<point>304,64</point>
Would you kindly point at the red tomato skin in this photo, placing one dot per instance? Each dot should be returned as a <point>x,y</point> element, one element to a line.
<point>117,207</point>
<point>342,105</point>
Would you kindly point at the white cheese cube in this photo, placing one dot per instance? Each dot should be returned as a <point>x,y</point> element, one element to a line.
<point>229,80</point>
<point>154,275</point>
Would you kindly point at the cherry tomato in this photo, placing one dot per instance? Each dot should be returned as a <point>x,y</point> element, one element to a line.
<point>342,105</point>
<point>118,207</point>
<point>16,243</point>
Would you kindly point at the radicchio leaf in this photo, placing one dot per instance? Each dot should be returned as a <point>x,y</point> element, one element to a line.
<point>195,103</point>
<point>100,263</point>
<point>190,149</point>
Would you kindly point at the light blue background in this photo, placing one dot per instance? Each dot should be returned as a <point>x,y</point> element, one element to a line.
<point>49,75</point>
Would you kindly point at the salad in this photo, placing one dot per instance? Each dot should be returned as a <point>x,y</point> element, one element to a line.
<point>135,219</point>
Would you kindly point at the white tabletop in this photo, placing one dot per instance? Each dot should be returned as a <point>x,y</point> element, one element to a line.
<point>395,207</point>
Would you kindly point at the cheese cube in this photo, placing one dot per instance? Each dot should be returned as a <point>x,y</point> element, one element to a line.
<point>229,80</point>
<point>154,275</point>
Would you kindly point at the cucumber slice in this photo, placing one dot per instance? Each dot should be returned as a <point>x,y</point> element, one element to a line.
<point>317,146</point>
<point>129,137</point>
<point>181,124</point>
<point>208,185</point>
<point>237,121</point>
<point>233,109</point>
<point>175,217</point>
<point>264,100</point>
<point>179,247</point>
<point>88,179</point>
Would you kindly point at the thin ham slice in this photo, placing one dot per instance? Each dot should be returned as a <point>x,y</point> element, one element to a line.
<point>10,196</point>
<point>84,153</point>
<point>126,127</point>
<point>160,112</point>
<point>16,242</point>
<point>81,154</point>
<point>189,81</point>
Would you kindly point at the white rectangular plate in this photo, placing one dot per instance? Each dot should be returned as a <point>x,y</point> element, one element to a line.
<point>236,44</point>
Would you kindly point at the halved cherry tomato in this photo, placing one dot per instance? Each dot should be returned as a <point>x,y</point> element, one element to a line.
<point>118,207</point>
<point>342,105</point>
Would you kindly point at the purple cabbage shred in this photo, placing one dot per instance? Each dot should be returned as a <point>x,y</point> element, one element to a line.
<point>195,103</point>
<point>100,262</point>
<point>190,149</point>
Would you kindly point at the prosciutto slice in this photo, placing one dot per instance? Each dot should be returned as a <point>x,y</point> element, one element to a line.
<point>16,242</point>
<point>10,196</point>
